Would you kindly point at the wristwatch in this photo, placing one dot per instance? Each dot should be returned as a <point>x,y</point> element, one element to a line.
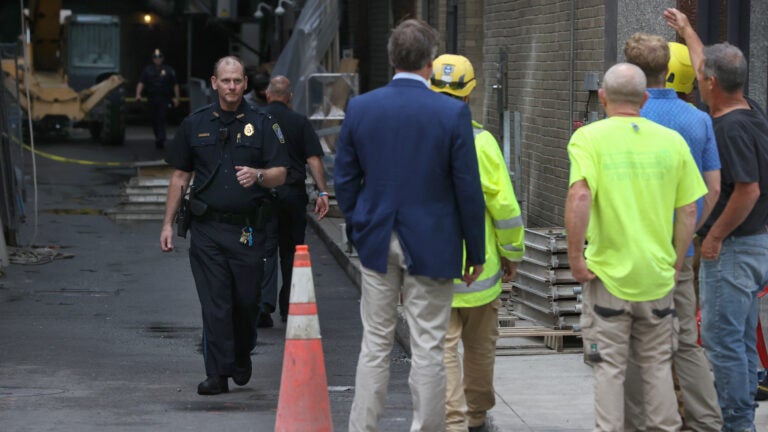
<point>259,177</point>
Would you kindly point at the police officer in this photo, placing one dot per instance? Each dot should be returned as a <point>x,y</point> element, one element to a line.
<point>290,218</point>
<point>236,154</point>
<point>162,90</point>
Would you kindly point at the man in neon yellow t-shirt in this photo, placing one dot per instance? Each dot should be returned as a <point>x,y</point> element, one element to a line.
<point>628,176</point>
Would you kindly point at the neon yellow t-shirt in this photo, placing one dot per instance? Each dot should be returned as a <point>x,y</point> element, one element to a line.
<point>639,172</point>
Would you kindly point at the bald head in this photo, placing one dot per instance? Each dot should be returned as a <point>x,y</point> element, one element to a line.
<point>279,89</point>
<point>624,83</point>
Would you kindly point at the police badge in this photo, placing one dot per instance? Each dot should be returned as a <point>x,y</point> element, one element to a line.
<point>248,131</point>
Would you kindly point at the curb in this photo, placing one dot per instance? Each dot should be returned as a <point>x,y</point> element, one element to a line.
<point>329,231</point>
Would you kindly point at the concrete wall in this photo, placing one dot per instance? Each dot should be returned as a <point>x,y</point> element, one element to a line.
<point>758,52</point>
<point>631,19</point>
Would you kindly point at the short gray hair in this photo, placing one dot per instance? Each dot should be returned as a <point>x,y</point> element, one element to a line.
<point>727,64</point>
<point>228,60</point>
<point>412,45</point>
<point>624,83</point>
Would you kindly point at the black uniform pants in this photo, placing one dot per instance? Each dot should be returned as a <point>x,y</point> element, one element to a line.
<point>284,232</point>
<point>228,278</point>
<point>291,227</point>
<point>159,108</point>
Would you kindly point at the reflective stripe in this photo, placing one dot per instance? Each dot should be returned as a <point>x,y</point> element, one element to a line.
<point>514,222</point>
<point>478,285</point>
<point>511,247</point>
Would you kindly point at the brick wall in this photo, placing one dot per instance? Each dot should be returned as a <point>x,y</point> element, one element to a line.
<point>471,47</point>
<point>536,37</point>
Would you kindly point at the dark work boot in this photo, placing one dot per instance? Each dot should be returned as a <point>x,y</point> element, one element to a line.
<point>242,373</point>
<point>265,320</point>
<point>213,385</point>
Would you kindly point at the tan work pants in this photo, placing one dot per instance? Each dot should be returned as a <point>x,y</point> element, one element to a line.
<point>427,306</point>
<point>469,399</point>
<point>610,326</point>
<point>694,372</point>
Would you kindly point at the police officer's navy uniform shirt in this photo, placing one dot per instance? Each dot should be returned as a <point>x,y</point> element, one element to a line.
<point>252,140</point>
<point>158,81</point>
<point>302,142</point>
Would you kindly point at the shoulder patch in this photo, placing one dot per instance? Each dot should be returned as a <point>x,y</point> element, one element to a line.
<point>278,132</point>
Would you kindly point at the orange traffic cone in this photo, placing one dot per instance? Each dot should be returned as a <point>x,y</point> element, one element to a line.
<point>304,404</point>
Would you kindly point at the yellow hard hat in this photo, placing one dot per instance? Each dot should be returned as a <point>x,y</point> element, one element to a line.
<point>681,74</point>
<point>453,74</point>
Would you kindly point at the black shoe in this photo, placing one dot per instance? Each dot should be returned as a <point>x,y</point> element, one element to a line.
<point>213,385</point>
<point>241,375</point>
<point>482,428</point>
<point>762,390</point>
<point>265,321</point>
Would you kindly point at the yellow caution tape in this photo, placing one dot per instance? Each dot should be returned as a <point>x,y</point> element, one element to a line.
<point>66,159</point>
<point>144,99</point>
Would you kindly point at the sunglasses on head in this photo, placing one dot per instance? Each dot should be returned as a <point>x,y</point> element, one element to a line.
<point>451,85</point>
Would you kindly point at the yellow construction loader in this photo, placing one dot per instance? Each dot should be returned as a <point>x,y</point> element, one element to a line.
<point>67,73</point>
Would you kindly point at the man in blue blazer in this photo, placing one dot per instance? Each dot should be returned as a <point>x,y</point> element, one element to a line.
<point>406,179</point>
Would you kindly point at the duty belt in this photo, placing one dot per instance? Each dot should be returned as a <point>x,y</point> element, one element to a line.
<point>242,219</point>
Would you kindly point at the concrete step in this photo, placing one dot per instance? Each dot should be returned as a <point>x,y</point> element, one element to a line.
<point>146,190</point>
<point>148,182</point>
<point>137,211</point>
<point>123,216</point>
<point>144,207</point>
<point>145,198</point>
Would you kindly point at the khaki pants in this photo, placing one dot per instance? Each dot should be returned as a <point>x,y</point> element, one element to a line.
<point>610,326</point>
<point>469,399</point>
<point>694,372</point>
<point>427,305</point>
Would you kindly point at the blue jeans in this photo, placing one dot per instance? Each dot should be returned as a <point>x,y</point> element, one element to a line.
<point>728,288</point>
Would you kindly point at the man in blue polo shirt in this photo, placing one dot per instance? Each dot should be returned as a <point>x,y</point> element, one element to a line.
<point>651,53</point>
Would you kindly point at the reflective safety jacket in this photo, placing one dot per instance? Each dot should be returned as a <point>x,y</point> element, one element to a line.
<point>504,231</point>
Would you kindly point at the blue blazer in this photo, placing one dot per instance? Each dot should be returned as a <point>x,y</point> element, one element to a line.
<point>406,163</point>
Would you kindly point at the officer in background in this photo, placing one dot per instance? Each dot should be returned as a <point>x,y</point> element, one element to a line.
<point>162,91</point>
<point>475,308</point>
<point>236,154</point>
<point>290,218</point>
<point>257,90</point>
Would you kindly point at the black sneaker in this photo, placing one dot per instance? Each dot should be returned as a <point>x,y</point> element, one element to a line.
<point>213,385</point>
